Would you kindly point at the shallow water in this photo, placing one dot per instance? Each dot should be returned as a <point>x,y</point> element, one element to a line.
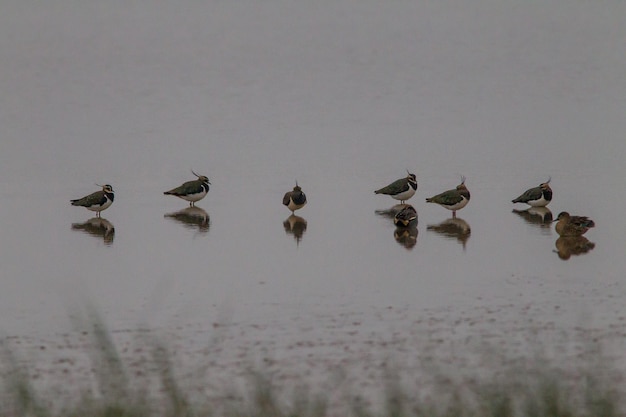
<point>343,98</point>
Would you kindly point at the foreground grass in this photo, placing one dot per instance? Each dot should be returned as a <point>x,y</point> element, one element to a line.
<point>533,388</point>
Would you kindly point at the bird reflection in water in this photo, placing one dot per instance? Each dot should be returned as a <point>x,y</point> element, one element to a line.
<point>453,228</point>
<point>404,216</point>
<point>99,227</point>
<point>193,217</point>
<point>391,211</point>
<point>296,226</point>
<point>566,246</point>
<point>406,236</point>
<point>537,216</point>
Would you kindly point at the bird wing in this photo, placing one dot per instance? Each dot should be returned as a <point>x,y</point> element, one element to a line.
<point>286,198</point>
<point>298,197</point>
<point>98,198</point>
<point>190,187</point>
<point>395,187</point>
<point>447,198</point>
<point>582,221</point>
<point>529,195</point>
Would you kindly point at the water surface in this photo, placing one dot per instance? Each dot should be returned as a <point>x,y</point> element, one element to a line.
<point>343,98</point>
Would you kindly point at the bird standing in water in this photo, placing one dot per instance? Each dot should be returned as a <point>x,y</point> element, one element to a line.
<point>452,199</point>
<point>98,201</point>
<point>192,191</point>
<point>295,199</point>
<point>536,197</point>
<point>401,189</point>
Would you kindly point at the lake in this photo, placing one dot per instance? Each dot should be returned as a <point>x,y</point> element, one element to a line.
<point>343,97</point>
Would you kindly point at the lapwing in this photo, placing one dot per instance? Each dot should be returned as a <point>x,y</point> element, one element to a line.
<point>192,191</point>
<point>569,226</point>
<point>536,197</point>
<point>295,199</point>
<point>452,199</point>
<point>401,189</point>
<point>407,217</point>
<point>98,201</point>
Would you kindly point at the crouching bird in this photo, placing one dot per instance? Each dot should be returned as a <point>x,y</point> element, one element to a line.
<point>568,225</point>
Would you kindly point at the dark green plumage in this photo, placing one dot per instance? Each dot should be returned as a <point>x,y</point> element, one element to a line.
<point>449,198</point>
<point>395,187</point>
<point>297,196</point>
<point>399,186</point>
<point>295,199</point>
<point>401,189</point>
<point>452,199</point>
<point>190,187</point>
<point>537,196</point>
<point>191,191</point>
<point>531,194</point>
<point>98,198</point>
<point>98,201</point>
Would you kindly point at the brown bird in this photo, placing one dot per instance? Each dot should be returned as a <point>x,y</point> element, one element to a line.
<point>572,225</point>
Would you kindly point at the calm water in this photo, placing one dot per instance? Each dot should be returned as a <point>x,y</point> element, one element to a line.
<point>341,97</point>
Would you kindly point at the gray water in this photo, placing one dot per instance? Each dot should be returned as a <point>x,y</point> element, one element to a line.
<point>341,96</point>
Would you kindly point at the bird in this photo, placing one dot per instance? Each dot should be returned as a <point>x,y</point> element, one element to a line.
<point>192,191</point>
<point>452,199</point>
<point>406,217</point>
<point>98,201</point>
<point>295,199</point>
<point>569,226</point>
<point>537,196</point>
<point>401,189</point>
